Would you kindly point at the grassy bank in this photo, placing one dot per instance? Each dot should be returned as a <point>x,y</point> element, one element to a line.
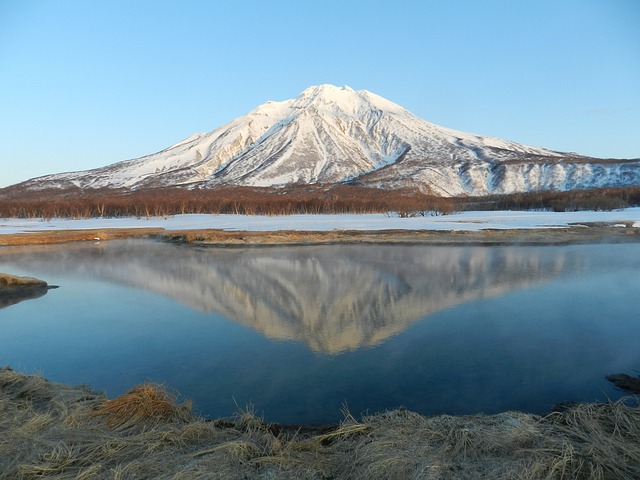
<point>14,289</point>
<point>584,233</point>
<point>56,431</point>
<point>12,281</point>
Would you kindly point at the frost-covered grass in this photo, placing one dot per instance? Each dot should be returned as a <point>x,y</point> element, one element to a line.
<point>463,221</point>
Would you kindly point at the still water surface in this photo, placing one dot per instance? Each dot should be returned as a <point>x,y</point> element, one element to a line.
<point>300,331</point>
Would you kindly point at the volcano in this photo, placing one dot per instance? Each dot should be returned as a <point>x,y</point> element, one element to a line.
<point>330,135</point>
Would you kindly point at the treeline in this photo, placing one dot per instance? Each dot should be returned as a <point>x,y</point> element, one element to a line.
<point>557,201</point>
<point>306,199</point>
<point>223,200</point>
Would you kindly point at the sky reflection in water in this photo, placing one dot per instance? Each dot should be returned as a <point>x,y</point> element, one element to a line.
<point>299,331</point>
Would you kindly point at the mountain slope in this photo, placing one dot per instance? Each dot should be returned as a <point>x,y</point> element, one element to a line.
<point>329,134</point>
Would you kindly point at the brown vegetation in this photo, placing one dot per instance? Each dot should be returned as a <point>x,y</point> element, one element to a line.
<point>14,289</point>
<point>223,200</point>
<point>148,404</point>
<point>596,199</point>
<point>12,281</point>
<point>604,232</point>
<point>55,431</point>
<point>538,236</point>
<point>296,199</point>
<point>64,236</point>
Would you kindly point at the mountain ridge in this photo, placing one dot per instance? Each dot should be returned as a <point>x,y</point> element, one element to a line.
<point>331,134</point>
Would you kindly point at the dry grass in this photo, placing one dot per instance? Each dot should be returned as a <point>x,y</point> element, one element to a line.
<point>143,405</point>
<point>64,236</point>
<point>541,236</point>
<point>11,281</point>
<point>15,289</point>
<point>55,431</point>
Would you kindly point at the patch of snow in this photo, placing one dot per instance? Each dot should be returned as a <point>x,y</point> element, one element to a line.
<point>465,221</point>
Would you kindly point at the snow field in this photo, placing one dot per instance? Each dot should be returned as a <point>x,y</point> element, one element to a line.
<point>465,221</point>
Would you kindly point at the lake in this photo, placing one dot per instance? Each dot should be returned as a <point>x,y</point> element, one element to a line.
<point>300,331</point>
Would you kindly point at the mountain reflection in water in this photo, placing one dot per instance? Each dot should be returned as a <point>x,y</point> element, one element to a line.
<point>333,299</point>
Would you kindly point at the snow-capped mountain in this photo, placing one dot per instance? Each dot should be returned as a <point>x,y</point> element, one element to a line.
<point>329,134</point>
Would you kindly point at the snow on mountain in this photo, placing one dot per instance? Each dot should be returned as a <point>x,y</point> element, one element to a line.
<point>329,134</point>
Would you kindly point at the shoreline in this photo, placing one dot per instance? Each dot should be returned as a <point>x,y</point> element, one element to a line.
<point>600,232</point>
<point>55,430</point>
<point>62,431</point>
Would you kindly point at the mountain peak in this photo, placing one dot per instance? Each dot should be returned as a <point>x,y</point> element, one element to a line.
<point>331,134</point>
<point>325,89</point>
<point>320,97</point>
<point>326,95</point>
<point>344,100</point>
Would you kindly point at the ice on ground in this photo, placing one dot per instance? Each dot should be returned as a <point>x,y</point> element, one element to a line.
<point>464,221</point>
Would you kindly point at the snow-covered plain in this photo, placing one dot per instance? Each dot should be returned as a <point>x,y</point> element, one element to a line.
<point>458,222</point>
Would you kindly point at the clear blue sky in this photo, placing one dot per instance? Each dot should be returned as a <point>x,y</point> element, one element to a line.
<point>85,83</point>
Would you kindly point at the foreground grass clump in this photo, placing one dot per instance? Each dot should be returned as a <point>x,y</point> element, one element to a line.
<point>55,431</point>
<point>142,406</point>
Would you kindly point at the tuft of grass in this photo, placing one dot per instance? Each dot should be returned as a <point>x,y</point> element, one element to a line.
<point>143,405</point>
